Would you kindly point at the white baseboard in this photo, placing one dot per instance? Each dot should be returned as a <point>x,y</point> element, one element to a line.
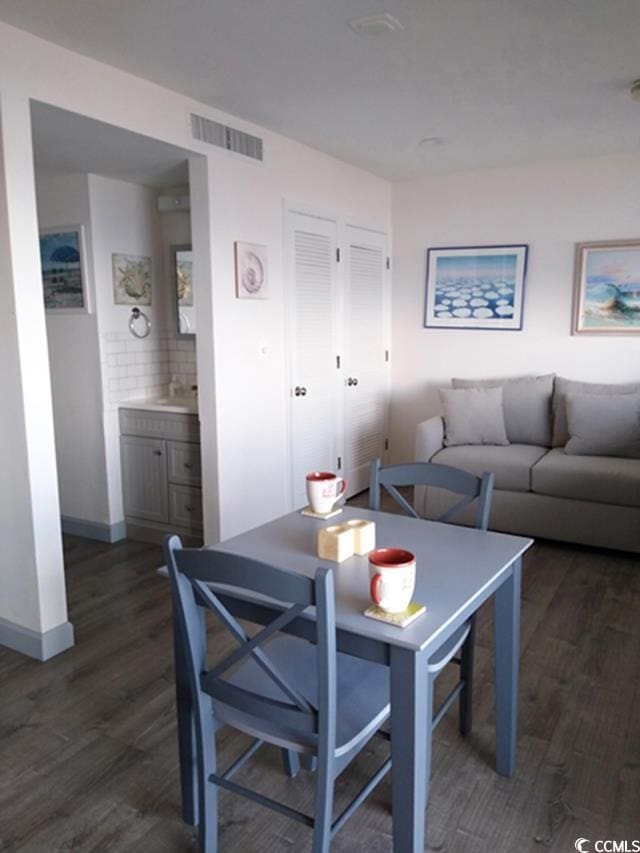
<point>94,529</point>
<point>32,643</point>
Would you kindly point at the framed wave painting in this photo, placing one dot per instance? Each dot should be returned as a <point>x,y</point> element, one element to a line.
<point>475,287</point>
<point>607,288</point>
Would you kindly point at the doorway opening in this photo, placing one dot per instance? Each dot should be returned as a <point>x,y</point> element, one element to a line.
<point>122,312</point>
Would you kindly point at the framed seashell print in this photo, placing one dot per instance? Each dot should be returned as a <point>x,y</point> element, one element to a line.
<point>131,279</point>
<point>607,288</point>
<point>251,271</point>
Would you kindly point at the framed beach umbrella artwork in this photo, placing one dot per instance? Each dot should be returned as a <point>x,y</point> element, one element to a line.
<point>475,287</point>
<point>607,288</point>
<point>64,278</point>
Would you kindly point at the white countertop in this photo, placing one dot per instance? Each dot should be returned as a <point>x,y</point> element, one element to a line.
<point>175,405</point>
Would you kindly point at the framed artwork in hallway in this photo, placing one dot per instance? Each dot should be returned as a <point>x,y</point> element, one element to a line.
<point>64,278</point>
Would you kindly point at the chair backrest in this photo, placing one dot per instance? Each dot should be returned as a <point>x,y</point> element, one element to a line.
<point>446,477</point>
<point>293,718</point>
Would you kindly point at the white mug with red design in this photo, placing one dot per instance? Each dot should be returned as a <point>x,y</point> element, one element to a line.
<point>323,490</point>
<point>392,572</point>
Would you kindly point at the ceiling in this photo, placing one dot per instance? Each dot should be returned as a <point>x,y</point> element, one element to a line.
<point>502,81</point>
<point>65,143</point>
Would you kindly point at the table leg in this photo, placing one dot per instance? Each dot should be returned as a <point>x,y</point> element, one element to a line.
<point>507,654</point>
<point>411,712</point>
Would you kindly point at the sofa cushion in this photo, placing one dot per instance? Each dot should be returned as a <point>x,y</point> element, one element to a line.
<point>605,479</point>
<point>473,416</point>
<point>603,425</point>
<point>527,405</point>
<point>511,465</point>
<point>571,386</point>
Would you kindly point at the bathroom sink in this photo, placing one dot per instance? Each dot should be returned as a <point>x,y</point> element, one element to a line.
<point>190,403</point>
<point>182,405</point>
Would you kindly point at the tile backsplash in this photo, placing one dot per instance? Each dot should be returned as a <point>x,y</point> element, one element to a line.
<point>142,369</point>
<point>182,360</point>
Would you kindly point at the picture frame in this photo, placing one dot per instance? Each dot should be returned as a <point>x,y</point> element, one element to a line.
<point>64,272</point>
<point>131,279</point>
<point>476,287</point>
<point>606,290</point>
<point>251,271</point>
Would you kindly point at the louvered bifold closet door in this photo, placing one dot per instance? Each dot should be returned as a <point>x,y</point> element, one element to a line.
<point>313,377</point>
<point>366,335</point>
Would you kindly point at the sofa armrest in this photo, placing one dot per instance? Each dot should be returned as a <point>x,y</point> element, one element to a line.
<point>429,439</point>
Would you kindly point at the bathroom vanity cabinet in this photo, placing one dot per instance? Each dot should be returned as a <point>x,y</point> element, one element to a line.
<point>161,474</point>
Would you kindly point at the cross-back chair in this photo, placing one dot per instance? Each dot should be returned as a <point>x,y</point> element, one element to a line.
<point>460,648</point>
<point>279,689</point>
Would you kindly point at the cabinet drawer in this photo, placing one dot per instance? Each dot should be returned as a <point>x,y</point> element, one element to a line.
<point>185,506</point>
<point>159,425</point>
<point>183,463</point>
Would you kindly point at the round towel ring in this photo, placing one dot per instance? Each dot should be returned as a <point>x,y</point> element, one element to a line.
<point>136,314</point>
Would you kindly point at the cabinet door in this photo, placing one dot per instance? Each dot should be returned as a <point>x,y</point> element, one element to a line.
<point>144,478</point>
<point>314,384</point>
<point>366,365</point>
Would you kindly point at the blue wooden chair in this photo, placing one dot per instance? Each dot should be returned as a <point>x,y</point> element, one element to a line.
<point>298,695</point>
<point>472,488</point>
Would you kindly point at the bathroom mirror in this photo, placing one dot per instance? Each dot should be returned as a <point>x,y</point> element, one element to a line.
<point>185,297</point>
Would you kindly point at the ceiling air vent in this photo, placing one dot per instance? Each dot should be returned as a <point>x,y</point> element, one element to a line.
<point>223,136</point>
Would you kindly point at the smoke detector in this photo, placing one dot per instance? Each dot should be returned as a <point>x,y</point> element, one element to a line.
<point>634,90</point>
<point>375,25</point>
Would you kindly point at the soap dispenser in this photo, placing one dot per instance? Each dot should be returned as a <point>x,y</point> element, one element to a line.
<point>176,388</point>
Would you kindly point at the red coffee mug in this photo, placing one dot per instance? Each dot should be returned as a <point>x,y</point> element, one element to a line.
<point>393,578</point>
<point>323,490</point>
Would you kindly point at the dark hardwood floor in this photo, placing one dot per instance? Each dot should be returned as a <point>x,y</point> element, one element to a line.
<point>88,757</point>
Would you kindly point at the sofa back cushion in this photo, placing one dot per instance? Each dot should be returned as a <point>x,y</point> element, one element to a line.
<point>571,386</point>
<point>473,416</point>
<point>603,425</point>
<point>527,406</point>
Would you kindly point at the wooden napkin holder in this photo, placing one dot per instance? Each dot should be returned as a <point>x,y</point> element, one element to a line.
<point>341,541</point>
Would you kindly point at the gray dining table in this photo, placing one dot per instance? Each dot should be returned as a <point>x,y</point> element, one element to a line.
<point>457,570</point>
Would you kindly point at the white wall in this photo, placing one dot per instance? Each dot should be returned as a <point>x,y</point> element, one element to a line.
<point>74,358</point>
<point>95,363</point>
<point>550,207</point>
<point>243,397</point>
<point>32,592</point>
<point>125,220</point>
<point>251,393</point>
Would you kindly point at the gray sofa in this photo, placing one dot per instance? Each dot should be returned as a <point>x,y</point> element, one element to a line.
<point>541,490</point>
